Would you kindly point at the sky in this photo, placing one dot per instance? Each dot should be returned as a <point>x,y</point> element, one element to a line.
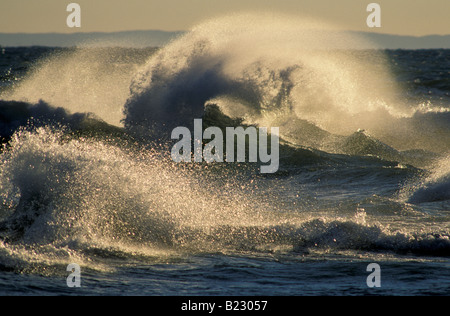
<point>400,17</point>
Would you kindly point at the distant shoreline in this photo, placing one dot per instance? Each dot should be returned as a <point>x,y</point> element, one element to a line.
<point>136,39</point>
<point>156,38</point>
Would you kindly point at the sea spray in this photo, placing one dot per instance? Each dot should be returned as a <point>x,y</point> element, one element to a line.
<point>105,201</point>
<point>82,79</point>
<point>433,186</point>
<point>263,68</point>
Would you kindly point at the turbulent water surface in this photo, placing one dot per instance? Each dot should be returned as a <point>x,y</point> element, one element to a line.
<point>86,174</point>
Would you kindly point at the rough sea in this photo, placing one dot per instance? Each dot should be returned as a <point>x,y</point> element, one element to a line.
<point>86,174</point>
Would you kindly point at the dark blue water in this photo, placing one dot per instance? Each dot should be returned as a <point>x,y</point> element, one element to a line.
<point>218,275</point>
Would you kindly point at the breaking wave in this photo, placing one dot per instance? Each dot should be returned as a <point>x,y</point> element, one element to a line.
<point>435,186</point>
<point>88,187</point>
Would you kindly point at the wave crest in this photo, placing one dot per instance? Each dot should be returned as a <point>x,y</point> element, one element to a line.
<point>279,68</point>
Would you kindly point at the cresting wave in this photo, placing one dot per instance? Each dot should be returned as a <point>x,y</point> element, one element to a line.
<point>435,186</point>
<point>302,75</point>
<point>74,188</point>
<point>279,69</point>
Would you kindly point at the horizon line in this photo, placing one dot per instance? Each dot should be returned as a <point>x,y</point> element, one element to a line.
<point>185,31</point>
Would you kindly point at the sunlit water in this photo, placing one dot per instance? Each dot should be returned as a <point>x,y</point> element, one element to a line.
<point>363,175</point>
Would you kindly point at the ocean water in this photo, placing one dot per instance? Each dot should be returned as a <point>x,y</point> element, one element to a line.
<point>86,175</point>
